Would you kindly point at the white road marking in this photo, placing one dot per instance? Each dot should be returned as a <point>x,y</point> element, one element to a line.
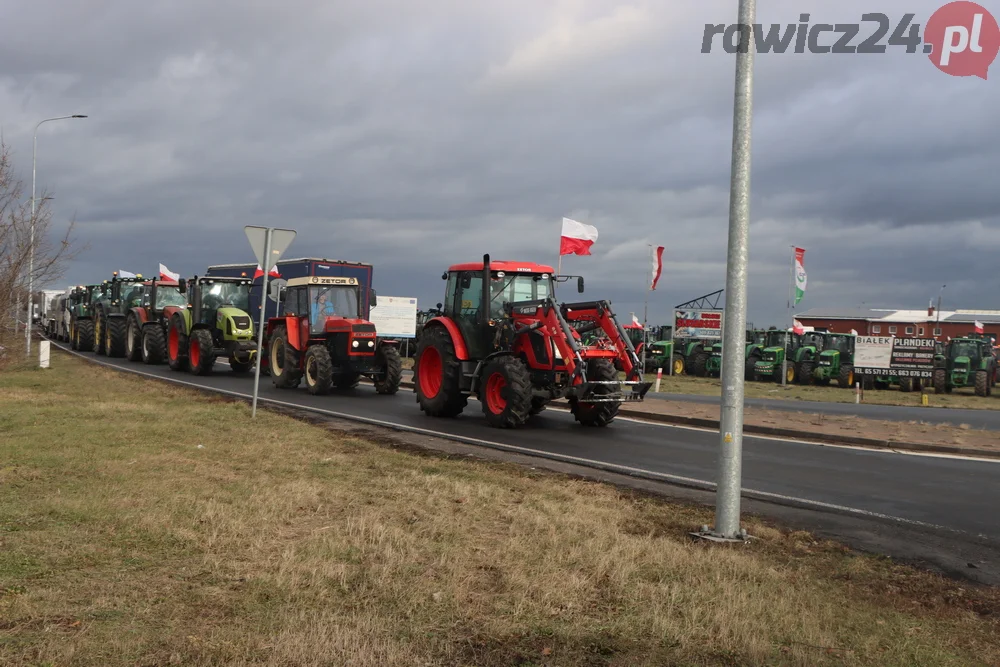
<point>590,463</point>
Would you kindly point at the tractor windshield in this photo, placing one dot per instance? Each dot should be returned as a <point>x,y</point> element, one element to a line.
<point>776,338</point>
<point>168,296</point>
<point>215,295</point>
<point>516,288</point>
<point>337,301</point>
<point>964,349</point>
<point>839,343</point>
<point>814,340</point>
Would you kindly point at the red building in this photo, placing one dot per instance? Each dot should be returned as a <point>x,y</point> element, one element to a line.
<point>903,323</point>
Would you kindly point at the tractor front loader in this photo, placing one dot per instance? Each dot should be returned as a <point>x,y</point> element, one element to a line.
<point>322,337</point>
<point>146,323</point>
<point>504,339</point>
<point>214,324</point>
<point>117,297</point>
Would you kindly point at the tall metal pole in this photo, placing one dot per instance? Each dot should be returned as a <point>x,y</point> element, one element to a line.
<point>727,508</point>
<point>791,318</point>
<point>31,245</point>
<point>263,311</point>
<point>645,317</point>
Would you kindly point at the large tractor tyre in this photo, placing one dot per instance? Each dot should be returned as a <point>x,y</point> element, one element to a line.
<point>283,360</point>
<point>154,344</point>
<point>698,364</point>
<point>346,380</point>
<point>97,334</point>
<point>238,366</point>
<point>982,383</point>
<point>318,370</point>
<point>906,385</point>
<point>538,405</point>
<point>85,336</point>
<point>114,337</point>
<point>177,345</point>
<point>939,380</point>
<point>805,372</point>
<point>201,352</point>
<point>391,364</point>
<point>437,374</point>
<point>845,379</point>
<point>505,392</point>
<point>678,364</point>
<point>74,342</point>
<point>133,340</point>
<point>601,413</point>
<point>749,367</point>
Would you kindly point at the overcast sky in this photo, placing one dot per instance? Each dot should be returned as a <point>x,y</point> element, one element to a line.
<point>413,134</point>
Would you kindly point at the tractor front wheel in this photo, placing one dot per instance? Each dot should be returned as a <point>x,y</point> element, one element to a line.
<point>749,368</point>
<point>318,370</point>
<point>698,364</point>
<point>982,383</point>
<point>154,344</point>
<point>283,360</point>
<point>133,340</point>
<point>114,337</point>
<point>437,374</point>
<point>85,336</point>
<point>391,364</point>
<point>939,380</point>
<point>845,379</point>
<point>238,366</point>
<point>177,345</point>
<point>805,372</point>
<point>201,352</point>
<point>505,393</point>
<point>678,364</point>
<point>600,413</point>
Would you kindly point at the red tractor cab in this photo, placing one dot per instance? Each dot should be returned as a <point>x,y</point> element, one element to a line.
<point>321,336</point>
<point>503,338</point>
<point>146,324</point>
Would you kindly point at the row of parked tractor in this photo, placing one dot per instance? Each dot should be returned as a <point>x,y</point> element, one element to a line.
<point>500,337</point>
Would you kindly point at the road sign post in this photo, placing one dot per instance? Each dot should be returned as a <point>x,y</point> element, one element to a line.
<point>268,244</point>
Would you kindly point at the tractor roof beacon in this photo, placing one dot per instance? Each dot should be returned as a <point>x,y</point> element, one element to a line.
<point>503,338</point>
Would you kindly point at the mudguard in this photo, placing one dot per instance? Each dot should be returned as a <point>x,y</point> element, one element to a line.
<point>140,315</point>
<point>457,340</point>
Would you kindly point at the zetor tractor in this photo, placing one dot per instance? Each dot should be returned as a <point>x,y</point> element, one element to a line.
<point>836,361</point>
<point>117,297</point>
<point>967,361</point>
<point>504,338</point>
<point>146,324</point>
<point>322,337</point>
<point>214,324</point>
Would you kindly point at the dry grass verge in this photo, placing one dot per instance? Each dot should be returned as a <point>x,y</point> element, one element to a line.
<point>146,525</point>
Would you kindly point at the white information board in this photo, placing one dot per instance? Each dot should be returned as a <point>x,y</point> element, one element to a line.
<point>873,352</point>
<point>395,317</point>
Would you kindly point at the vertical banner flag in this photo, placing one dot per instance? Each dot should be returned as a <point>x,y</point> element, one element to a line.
<point>260,271</point>
<point>800,275</point>
<point>167,274</point>
<point>576,238</point>
<point>657,266</point>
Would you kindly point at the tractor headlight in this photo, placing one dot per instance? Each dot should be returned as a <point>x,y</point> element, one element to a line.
<point>354,343</point>
<point>371,343</point>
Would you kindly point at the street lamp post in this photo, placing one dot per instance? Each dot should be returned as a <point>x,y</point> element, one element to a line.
<point>31,245</point>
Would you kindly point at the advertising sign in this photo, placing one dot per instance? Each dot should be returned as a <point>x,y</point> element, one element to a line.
<point>900,357</point>
<point>705,323</point>
<point>395,317</point>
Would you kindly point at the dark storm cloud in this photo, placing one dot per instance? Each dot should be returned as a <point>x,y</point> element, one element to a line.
<point>446,129</point>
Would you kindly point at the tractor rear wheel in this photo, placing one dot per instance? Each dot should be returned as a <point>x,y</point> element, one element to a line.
<point>97,334</point>
<point>698,364</point>
<point>318,370</point>
<point>85,336</point>
<point>201,352</point>
<point>283,360</point>
<point>437,374</point>
<point>939,380</point>
<point>845,379</point>
<point>505,392</point>
<point>177,345</point>
<point>982,383</point>
<point>133,339</point>
<point>154,344</point>
<point>600,413</point>
<point>114,337</point>
<point>805,373</point>
<point>391,364</point>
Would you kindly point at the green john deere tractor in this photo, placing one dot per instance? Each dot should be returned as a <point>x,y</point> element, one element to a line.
<point>966,362</point>
<point>660,354</point>
<point>215,324</point>
<point>836,361</point>
<point>806,356</point>
<point>81,321</point>
<point>118,296</point>
<point>754,352</point>
<point>773,356</point>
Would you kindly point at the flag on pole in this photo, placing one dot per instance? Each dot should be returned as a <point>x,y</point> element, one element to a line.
<point>979,327</point>
<point>636,322</point>
<point>167,274</point>
<point>260,271</point>
<point>125,274</point>
<point>797,327</point>
<point>800,275</point>
<point>853,332</point>
<point>657,266</point>
<point>576,238</point>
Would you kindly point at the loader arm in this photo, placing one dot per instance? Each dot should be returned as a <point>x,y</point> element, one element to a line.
<point>599,313</point>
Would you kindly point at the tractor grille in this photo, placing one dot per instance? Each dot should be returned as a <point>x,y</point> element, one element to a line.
<point>770,356</point>
<point>363,328</point>
<point>241,321</point>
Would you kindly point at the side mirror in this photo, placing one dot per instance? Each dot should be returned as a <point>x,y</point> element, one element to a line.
<point>579,284</point>
<point>182,285</point>
<point>444,276</point>
<point>440,306</point>
<point>372,297</point>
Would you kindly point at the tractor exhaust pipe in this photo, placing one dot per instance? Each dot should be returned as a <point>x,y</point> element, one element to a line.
<point>485,301</point>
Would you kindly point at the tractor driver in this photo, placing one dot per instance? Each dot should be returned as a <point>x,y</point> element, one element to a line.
<point>322,310</point>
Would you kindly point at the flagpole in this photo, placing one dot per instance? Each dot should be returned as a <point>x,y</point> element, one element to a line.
<point>645,314</point>
<point>791,313</point>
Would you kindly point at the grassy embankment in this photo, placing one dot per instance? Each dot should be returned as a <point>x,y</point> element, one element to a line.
<point>145,524</point>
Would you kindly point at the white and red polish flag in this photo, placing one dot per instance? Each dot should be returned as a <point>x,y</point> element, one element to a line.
<point>979,327</point>
<point>167,274</point>
<point>576,238</point>
<point>657,266</point>
<point>260,271</point>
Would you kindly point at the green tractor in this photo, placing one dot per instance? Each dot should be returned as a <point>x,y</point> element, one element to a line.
<point>773,355</point>
<point>836,361</point>
<point>756,341</point>
<point>966,362</point>
<point>117,297</point>
<point>806,356</point>
<point>214,324</point>
<point>660,354</point>
<point>81,322</point>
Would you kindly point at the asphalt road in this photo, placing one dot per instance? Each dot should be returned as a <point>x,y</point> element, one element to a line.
<point>957,494</point>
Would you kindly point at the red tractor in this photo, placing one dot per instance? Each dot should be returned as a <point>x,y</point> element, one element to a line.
<point>503,338</point>
<point>146,323</point>
<point>322,337</point>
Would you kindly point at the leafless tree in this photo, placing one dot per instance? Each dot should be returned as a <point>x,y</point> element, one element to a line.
<point>52,250</point>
